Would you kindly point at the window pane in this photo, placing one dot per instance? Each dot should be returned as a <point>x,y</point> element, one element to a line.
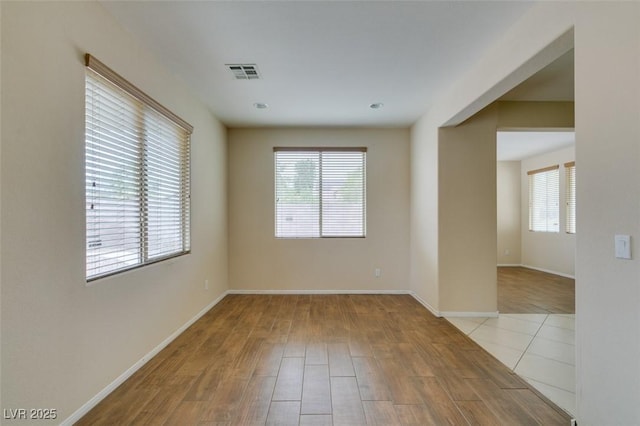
<point>544,194</point>
<point>297,194</point>
<point>320,193</point>
<point>343,193</point>
<point>113,178</point>
<point>137,181</point>
<point>164,163</point>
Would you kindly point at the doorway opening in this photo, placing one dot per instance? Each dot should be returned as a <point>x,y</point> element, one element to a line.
<point>535,332</point>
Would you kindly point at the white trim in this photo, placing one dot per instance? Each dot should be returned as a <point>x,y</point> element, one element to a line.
<point>412,293</point>
<point>247,291</point>
<point>509,265</point>
<point>86,407</point>
<point>464,314</point>
<point>453,314</point>
<point>426,304</point>
<point>548,271</point>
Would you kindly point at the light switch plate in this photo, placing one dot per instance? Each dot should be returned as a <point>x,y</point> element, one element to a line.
<point>623,246</point>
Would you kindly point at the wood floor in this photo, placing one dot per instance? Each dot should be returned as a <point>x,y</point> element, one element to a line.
<point>322,360</point>
<point>526,291</point>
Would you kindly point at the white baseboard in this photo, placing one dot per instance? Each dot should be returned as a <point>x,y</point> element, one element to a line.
<point>412,293</point>
<point>426,304</point>
<point>236,291</point>
<point>77,415</point>
<point>548,271</point>
<point>535,268</point>
<point>464,314</point>
<point>453,314</point>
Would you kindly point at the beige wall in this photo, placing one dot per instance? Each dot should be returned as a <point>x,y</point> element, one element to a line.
<point>552,252</point>
<point>531,115</point>
<point>1,401</point>
<point>467,201</point>
<point>607,65</point>
<point>548,251</point>
<point>64,341</point>
<point>525,115</point>
<point>423,273</point>
<point>467,212</point>
<point>535,115</point>
<point>259,261</point>
<point>607,182</point>
<point>508,197</point>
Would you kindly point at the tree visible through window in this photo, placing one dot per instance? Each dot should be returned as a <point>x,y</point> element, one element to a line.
<point>320,192</point>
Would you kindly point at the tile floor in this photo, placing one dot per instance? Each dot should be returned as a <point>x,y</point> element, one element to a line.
<point>538,347</point>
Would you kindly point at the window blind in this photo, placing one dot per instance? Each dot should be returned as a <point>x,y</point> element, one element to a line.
<point>137,168</point>
<point>570,179</point>
<point>544,193</point>
<point>320,192</point>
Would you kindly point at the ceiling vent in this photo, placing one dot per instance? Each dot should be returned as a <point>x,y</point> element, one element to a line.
<point>244,71</point>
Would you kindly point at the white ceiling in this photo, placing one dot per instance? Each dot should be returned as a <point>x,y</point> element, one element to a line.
<point>322,63</point>
<point>519,145</point>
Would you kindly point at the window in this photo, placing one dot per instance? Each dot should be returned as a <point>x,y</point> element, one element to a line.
<point>136,176</point>
<point>320,192</point>
<point>544,193</point>
<point>570,179</point>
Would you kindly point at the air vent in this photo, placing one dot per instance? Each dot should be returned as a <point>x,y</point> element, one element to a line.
<point>244,71</point>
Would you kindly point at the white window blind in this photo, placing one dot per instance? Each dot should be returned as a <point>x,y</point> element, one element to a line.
<point>320,192</point>
<point>570,179</point>
<point>137,157</point>
<point>544,193</point>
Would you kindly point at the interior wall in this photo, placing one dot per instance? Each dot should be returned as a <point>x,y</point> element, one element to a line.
<point>607,152</point>
<point>467,215</point>
<point>0,206</point>
<point>62,340</point>
<point>548,251</point>
<point>467,201</point>
<point>521,115</point>
<point>423,274</point>
<point>607,63</point>
<point>508,213</point>
<point>259,261</point>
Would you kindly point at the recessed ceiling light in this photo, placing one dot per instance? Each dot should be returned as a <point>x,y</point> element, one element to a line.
<point>377,105</point>
<point>261,105</point>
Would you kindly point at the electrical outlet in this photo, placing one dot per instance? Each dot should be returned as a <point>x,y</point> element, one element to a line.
<point>377,272</point>
<point>206,284</point>
<point>507,252</point>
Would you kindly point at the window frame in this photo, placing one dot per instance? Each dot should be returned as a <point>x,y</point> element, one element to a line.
<point>531,180</point>
<point>157,131</point>
<point>321,150</point>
